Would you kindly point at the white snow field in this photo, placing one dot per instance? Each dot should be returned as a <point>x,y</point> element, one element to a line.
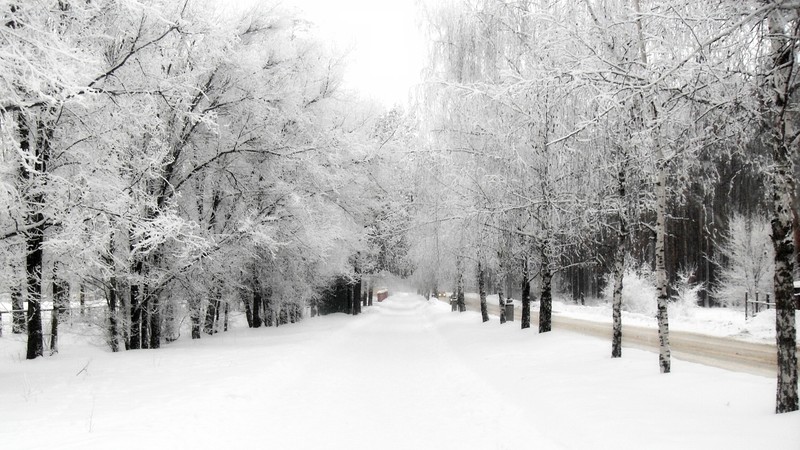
<point>406,374</point>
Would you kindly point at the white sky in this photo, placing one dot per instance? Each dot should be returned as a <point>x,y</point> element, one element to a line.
<point>386,50</point>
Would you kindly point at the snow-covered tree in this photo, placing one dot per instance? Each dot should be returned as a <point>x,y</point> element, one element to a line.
<point>746,260</point>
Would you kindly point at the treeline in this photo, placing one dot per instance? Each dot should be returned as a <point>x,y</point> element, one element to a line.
<point>179,160</point>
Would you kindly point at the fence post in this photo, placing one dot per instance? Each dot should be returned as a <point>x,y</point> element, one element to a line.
<point>755,305</point>
<point>745,305</point>
<point>767,301</point>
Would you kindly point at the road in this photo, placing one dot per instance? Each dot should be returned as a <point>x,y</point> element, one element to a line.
<point>725,353</point>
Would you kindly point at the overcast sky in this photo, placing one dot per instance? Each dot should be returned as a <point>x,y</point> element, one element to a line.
<point>387,50</point>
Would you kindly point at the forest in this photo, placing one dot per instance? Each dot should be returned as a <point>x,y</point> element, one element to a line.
<point>164,164</point>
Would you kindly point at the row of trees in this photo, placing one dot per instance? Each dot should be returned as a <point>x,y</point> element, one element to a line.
<point>564,136</point>
<point>169,159</point>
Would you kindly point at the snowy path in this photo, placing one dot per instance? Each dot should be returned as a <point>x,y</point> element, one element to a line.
<point>407,374</point>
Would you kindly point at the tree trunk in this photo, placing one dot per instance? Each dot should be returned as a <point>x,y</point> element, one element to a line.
<point>619,265</point>
<point>271,314</point>
<point>369,295</point>
<point>283,314</point>
<point>357,296</point>
<point>525,321</point>
<point>664,360</point>
<point>113,327</point>
<point>225,320</point>
<point>358,301</point>
<point>462,306</point>
<point>33,265</point>
<point>482,292</point>
<point>18,324</point>
<point>60,294</point>
<point>616,304</point>
<point>783,190</point>
<point>135,337</point>
<point>145,316</point>
<point>351,304</point>
<point>248,310</point>
<point>82,299</point>
<point>500,281</point>
<point>124,311</point>
<point>155,319</point>
<point>171,324</point>
<point>546,300</point>
<point>211,314</point>
<point>34,238</point>
<point>258,304</point>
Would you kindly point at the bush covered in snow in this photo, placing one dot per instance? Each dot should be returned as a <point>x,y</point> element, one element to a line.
<point>688,295</point>
<point>638,290</point>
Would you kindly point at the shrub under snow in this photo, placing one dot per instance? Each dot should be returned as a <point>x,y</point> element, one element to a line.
<point>638,291</point>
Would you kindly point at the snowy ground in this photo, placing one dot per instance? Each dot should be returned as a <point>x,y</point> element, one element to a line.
<point>406,374</point>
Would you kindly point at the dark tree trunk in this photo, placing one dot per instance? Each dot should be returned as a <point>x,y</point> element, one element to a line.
<point>283,315</point>
<point>351,304</point>
<point>155,319</point>
<point>525,321</point>
<point>18,325</point>
<point>546,300</point>
<point>369,295</point>
<point>136,303</point>
<point>34,313</point>
<point>500,300</point>
<point>34,238</point>
<point>124,297</point>
<point>136,318</point>
<point>248,309</point>
<point>482,292</point>
<point>357,296</point>
<point>225,320</point>
<point>82,299</point>
<point>145,316</point>
<point>258,305</point>
<point>113,327</point>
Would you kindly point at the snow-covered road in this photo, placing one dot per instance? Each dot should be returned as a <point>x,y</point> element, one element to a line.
<point>406,374</point>
<point>757,358</point>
